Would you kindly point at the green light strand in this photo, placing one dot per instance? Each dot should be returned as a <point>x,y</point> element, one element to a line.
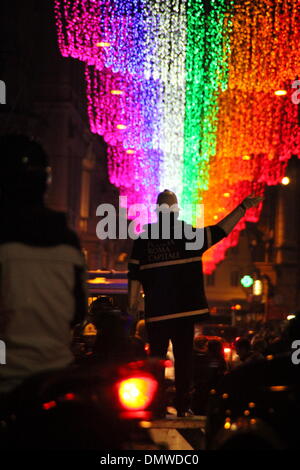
<point>206,76</point>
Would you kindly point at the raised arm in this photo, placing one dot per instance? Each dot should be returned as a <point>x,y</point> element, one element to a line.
<point>229,222</point>
<point>215,233</point>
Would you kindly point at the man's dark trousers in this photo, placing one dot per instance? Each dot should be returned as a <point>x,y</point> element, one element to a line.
<point>181,332</point>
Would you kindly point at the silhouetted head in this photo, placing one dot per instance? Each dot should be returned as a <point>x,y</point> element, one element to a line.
<point>259,344</point>
<point>200,343</point>
<point>24,170</point>
<point>168,200</point>
<point>102,304</point>
<point>243,348</point>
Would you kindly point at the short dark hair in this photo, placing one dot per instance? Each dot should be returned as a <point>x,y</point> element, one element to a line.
<point>23,167</point>
<point>21,153</point>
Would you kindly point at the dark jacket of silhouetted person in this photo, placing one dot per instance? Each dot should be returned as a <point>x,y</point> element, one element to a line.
<point>209,369</point>
<point>245,352</point>
<point>112,330</point>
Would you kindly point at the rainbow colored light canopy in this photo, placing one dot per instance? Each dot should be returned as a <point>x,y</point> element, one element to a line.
<point>185,93</point>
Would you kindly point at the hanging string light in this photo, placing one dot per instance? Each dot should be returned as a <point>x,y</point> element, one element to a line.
<point>190,95</point>
<point>138,45</point>
<point>206,75</point>
<point>258,129</point>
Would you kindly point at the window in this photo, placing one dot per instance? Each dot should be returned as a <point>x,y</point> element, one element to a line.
<point>234,278</point>
<point>85,195</point>
<point>210,279</point>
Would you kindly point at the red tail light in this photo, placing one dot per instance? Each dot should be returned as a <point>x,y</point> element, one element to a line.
<point>137,393</point>
<point>227,350</point>
<point>69,396</point>
<point>49,405</point>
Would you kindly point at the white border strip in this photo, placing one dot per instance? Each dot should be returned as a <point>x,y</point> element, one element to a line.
<point>178,315</point>
<point>171,263</point>
<point>209,239</point>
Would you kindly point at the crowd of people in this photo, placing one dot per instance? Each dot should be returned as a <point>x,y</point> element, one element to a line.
<point>258,341</point>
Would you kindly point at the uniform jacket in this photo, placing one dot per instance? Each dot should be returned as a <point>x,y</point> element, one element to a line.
<point>171,274</point>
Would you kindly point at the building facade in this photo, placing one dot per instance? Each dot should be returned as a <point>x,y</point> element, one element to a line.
<point>267,251</point>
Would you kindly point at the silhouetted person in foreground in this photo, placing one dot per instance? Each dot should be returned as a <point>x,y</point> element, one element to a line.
<point>245,352</point>
<point>170,271</point>
<point>113,342</point>
<point>209,369</point>
<point>42,287</point>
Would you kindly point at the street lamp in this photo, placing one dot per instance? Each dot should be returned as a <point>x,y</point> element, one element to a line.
<point>247,281</point>
<point>285,181</point>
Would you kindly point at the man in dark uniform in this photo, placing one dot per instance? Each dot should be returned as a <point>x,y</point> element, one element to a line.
<point>172,279</point>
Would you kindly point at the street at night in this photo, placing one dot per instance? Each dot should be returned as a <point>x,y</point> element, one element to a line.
<point>149,237</point>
